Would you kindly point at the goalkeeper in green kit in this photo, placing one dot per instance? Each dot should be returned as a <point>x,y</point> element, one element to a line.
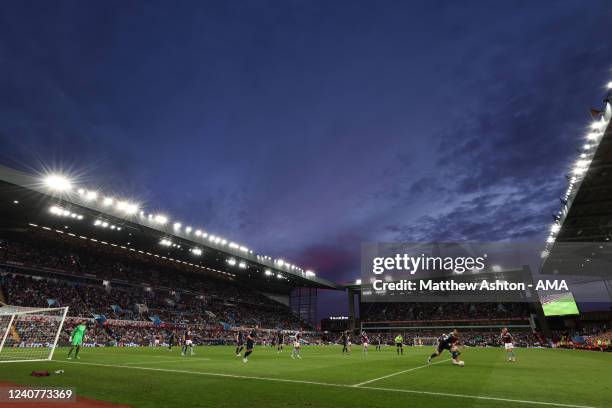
<point>76,339</point>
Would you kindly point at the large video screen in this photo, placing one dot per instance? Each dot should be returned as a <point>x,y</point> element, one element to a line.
<point>560,304</point>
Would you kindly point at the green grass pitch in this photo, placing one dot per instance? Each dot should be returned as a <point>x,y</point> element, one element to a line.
<point>214,377</point>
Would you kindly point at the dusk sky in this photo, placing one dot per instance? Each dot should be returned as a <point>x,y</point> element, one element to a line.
<point>304,128</point>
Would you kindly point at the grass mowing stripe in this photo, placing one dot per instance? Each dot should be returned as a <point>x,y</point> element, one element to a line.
<point>167,361</point>
<point>286,380</point>
<point>398,373</point>
<point>479,397</point>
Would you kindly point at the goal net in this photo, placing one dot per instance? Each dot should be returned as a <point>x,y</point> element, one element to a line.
<point>425,341</point>
<point>28,333</point>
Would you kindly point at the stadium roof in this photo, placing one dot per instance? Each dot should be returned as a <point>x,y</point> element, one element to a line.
<point>586,213</point>
<point>585,217</point>
<point>53,203</point>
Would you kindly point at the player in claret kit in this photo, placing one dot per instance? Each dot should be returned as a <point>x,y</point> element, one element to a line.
<point>508,341</point>
<point>446,342</point>
<point>364,342</point>
<point>296,345</point>
<point>187,342</point>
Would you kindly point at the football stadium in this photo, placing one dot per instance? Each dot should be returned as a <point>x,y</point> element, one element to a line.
<point>339,282</point>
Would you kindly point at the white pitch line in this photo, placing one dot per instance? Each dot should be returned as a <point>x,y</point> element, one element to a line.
<point>248,377</point>
<point>398,373</point>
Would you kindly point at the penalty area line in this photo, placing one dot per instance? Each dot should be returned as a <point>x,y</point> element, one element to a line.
<point>286,380</point>
<point>398,373</point>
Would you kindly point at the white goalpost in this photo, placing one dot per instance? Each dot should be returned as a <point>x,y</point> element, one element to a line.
<point>29,333</point>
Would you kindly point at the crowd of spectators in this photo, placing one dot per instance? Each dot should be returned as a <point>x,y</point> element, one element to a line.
<point>377,312</point>
<point>51,272</point>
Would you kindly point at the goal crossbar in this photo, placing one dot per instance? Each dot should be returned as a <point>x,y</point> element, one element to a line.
<point>30,333</point>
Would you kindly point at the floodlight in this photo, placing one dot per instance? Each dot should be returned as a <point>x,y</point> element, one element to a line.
<point>242,265</point>
<point>58,182</point>
<point>231,261</point>
<point>268,272</point>
<point>593,136</point>
<point>107,201</point>
<point>177,225</point>
<point>127,207</point>
<point>310,273</point>
<point>609,85</point>
<point>160,219</point>
<point>196,251</point>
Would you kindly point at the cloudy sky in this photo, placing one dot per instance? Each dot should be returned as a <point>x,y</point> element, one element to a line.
<point>303,128</point>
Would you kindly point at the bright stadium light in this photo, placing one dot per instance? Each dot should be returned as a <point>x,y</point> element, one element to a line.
<point>177,225</point>
<point>231,261</point>
<point>579,170</point>
<point>279,276</point>
<point>269,272</point>
<point>196,251</point>
<point>58,182</point>
<point>555,228</point>
<point>160,219</point>
<point>198,233</point>
<point>310,273</point>
<point>609,85</point>
<point>593,136</point>
<point>242,265</point>
<point>107,201</point>
<point>127,207</point>
<point>358,282</point>
<point>188,230</point>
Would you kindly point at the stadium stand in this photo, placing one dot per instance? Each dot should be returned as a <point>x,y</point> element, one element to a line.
<point>48,270</point>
